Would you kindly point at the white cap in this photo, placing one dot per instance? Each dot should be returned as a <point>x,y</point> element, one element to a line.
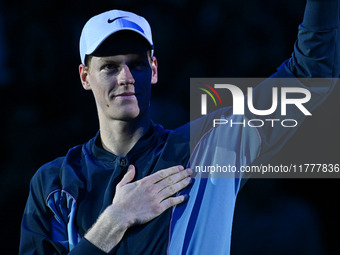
<point>101,26</point>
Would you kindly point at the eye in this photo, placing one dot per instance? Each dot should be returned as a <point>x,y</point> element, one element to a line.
<point>111,67</point>
<point>139,65</point>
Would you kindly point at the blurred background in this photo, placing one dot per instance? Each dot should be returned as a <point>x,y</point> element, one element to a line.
<point>45,111</point>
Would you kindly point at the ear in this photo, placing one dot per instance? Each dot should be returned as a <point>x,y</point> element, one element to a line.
<point>83,74</point>
<point>154,68</point>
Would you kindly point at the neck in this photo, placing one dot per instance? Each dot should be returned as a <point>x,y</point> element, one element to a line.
<point>118,137</point>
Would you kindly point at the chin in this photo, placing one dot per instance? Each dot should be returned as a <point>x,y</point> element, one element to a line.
<point>128,116</point>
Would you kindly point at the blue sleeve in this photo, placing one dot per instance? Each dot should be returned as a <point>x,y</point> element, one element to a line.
<point>321,14</point>
<point>48,225</point>
<point>316,51</point>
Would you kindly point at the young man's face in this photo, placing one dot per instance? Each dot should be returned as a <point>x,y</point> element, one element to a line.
<point>121,84</point>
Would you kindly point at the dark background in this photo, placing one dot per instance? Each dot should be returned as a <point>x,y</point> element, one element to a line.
<point>45,111</point>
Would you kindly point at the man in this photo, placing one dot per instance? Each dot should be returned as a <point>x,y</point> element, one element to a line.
<point>114,194</point>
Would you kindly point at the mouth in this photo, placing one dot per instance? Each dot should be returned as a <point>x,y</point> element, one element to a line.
<point>125,94</point>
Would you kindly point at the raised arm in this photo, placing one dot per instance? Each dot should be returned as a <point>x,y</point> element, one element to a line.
<point>316,54</point>
<point>316,57</point>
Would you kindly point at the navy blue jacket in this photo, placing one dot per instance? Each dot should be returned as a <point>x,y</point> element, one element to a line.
<point>68,194</point>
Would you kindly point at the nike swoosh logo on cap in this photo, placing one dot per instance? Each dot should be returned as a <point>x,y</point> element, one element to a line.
<point>112,20</point>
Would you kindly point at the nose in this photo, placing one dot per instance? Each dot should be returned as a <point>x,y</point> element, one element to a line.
<point>125,76</point>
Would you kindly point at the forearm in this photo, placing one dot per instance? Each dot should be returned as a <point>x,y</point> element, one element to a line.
<point>108,230</point>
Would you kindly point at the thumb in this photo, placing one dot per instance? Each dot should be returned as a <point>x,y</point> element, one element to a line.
<point>128,177</point>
